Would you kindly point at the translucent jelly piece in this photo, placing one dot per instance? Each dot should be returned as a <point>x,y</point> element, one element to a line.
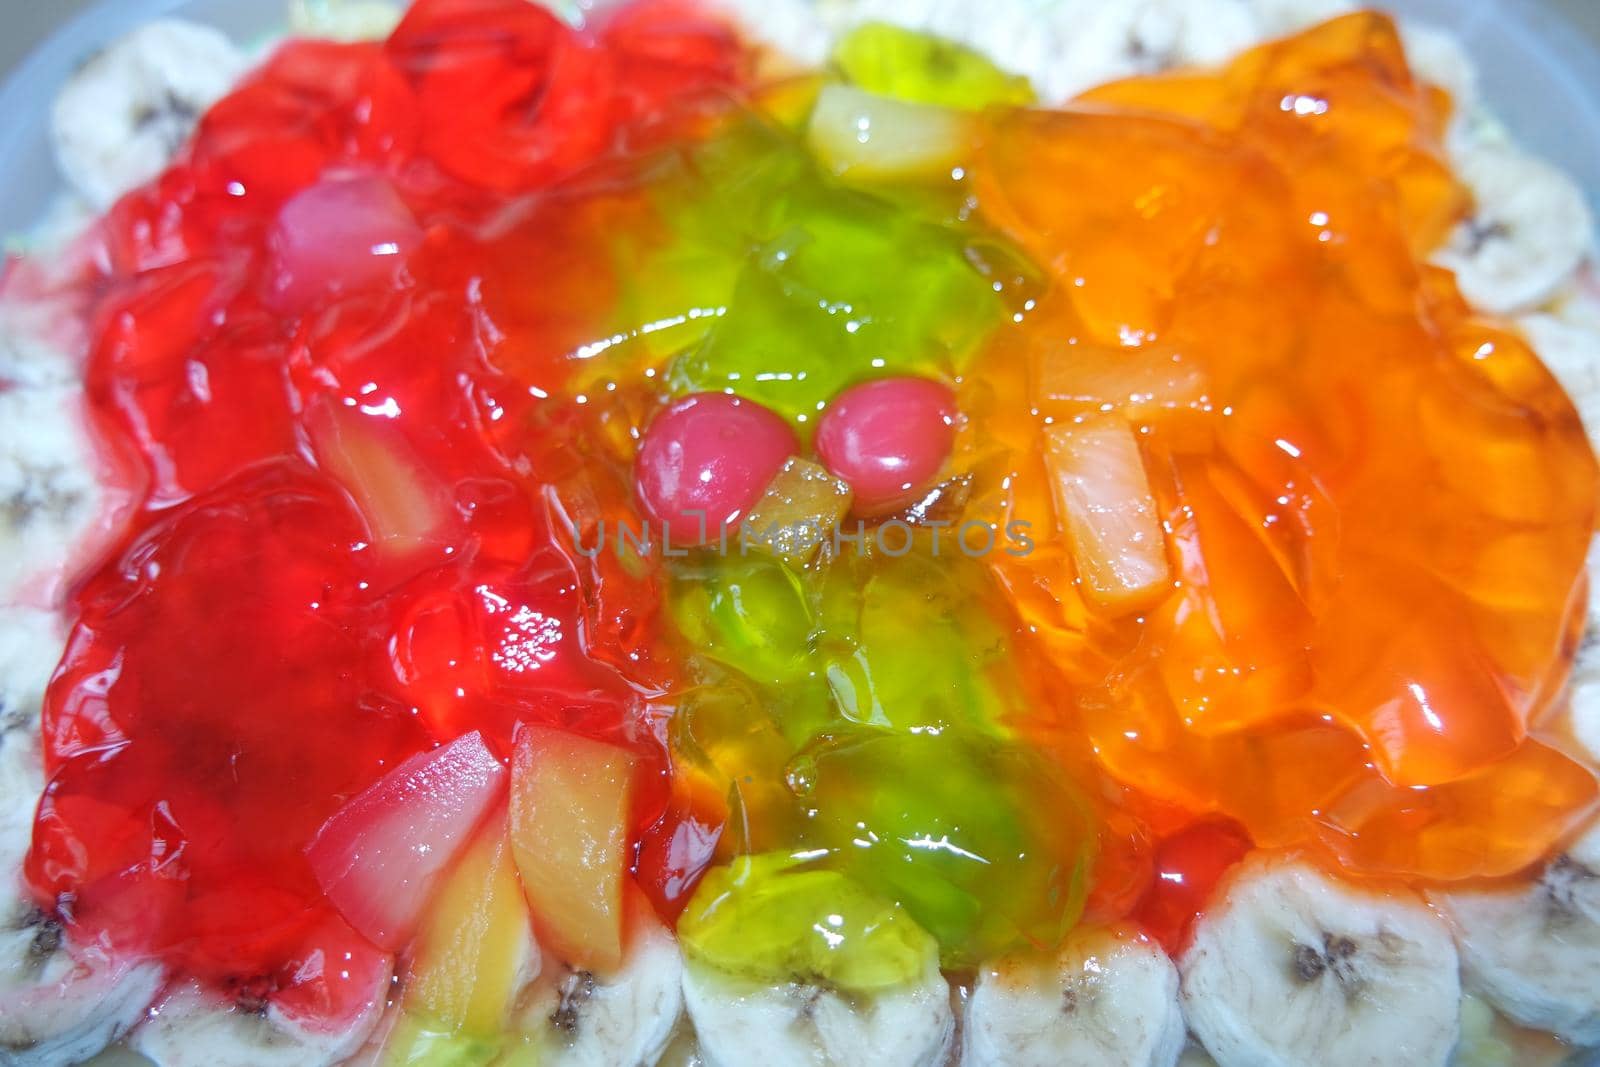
<point>773,917</point>
<point>1133,236</point>
<point>1140,737</point>
<point>983,843</point>
<point>846,286</point>
<point>751,614</point>
<point>913,66</point>
<point>911,643</point>
<point>1492,824</point>
<point>1433,709</point>
<point>1237,631</point>
<point>1188,866</point>
<point>741,741</point>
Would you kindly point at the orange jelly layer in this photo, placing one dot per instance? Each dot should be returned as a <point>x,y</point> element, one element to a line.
<point>1377,503</point>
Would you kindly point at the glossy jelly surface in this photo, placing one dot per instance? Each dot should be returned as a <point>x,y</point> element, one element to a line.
<point>1211,517</point>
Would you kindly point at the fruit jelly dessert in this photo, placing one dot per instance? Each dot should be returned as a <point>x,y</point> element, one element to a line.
<point>390,350</point>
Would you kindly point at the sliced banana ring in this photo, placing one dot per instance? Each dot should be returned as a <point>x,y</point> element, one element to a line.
<point>1567,338</point>
<point>1436,57</point>
<point>41,341</point>
<point>741,1022</point>
<point>1109,998</point>
<point>57,1010</point>
<point>1150,36</point>
<point>792,27</point>
<point>191,1027</point>
<point>49,495</point>
<point>1534,951</point>
<point>1529,232</point>
<point>578,1019</point>
<point>125,113</point>
<point>1292,968</point>
<point>1282,17</point>
<point>343,20</point>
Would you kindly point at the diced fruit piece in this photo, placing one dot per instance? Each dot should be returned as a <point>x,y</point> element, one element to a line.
<point>570,803</point>
<point>379,856</point>
<point>915,66</point>
<point>799,512</point>
<point>773,918</point>
<point>888,438</point>
<point>1082,376</point>
<point>476,949</point>
<point>986,845</point>
<point>340,234</point>
<point>1106,508</point>
<point>403,505</point>
<point>869,137</point>
<point>705,460</point>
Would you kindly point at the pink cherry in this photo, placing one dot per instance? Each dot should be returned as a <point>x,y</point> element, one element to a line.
<point>888,438</point>
<point>343,233</point>
<point>713,454</point>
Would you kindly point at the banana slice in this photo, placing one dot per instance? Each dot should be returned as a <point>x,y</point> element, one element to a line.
<point>1108,999</point>
<point>578,1019</point>
<point>1282,17</point>
<point>30,646</point>
<point>49,495</point>
<point>28,355</point>
<point>1534,951</point>
<point>1527,237</point>
<point>1149,36</point>
<point>1489,1039</point>
<point>56,1008</point>
<point>124,114</point>
<point>791,27</point>
<point>191,1027</point>
<point>1436,57</point>
<point>741,1022</point>
<point>343,20</point>
<point>1567,337</point>
<point>1290,968</point>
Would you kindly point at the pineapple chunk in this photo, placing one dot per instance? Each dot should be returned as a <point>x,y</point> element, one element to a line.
<point>476,951</point>
<point>867,137</point>
<point>405,508</point>
<point>1106,508</point>
<point>798,514</point>
<point>570,802</point>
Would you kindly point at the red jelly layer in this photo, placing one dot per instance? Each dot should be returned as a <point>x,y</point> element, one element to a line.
<point>353,533</point>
